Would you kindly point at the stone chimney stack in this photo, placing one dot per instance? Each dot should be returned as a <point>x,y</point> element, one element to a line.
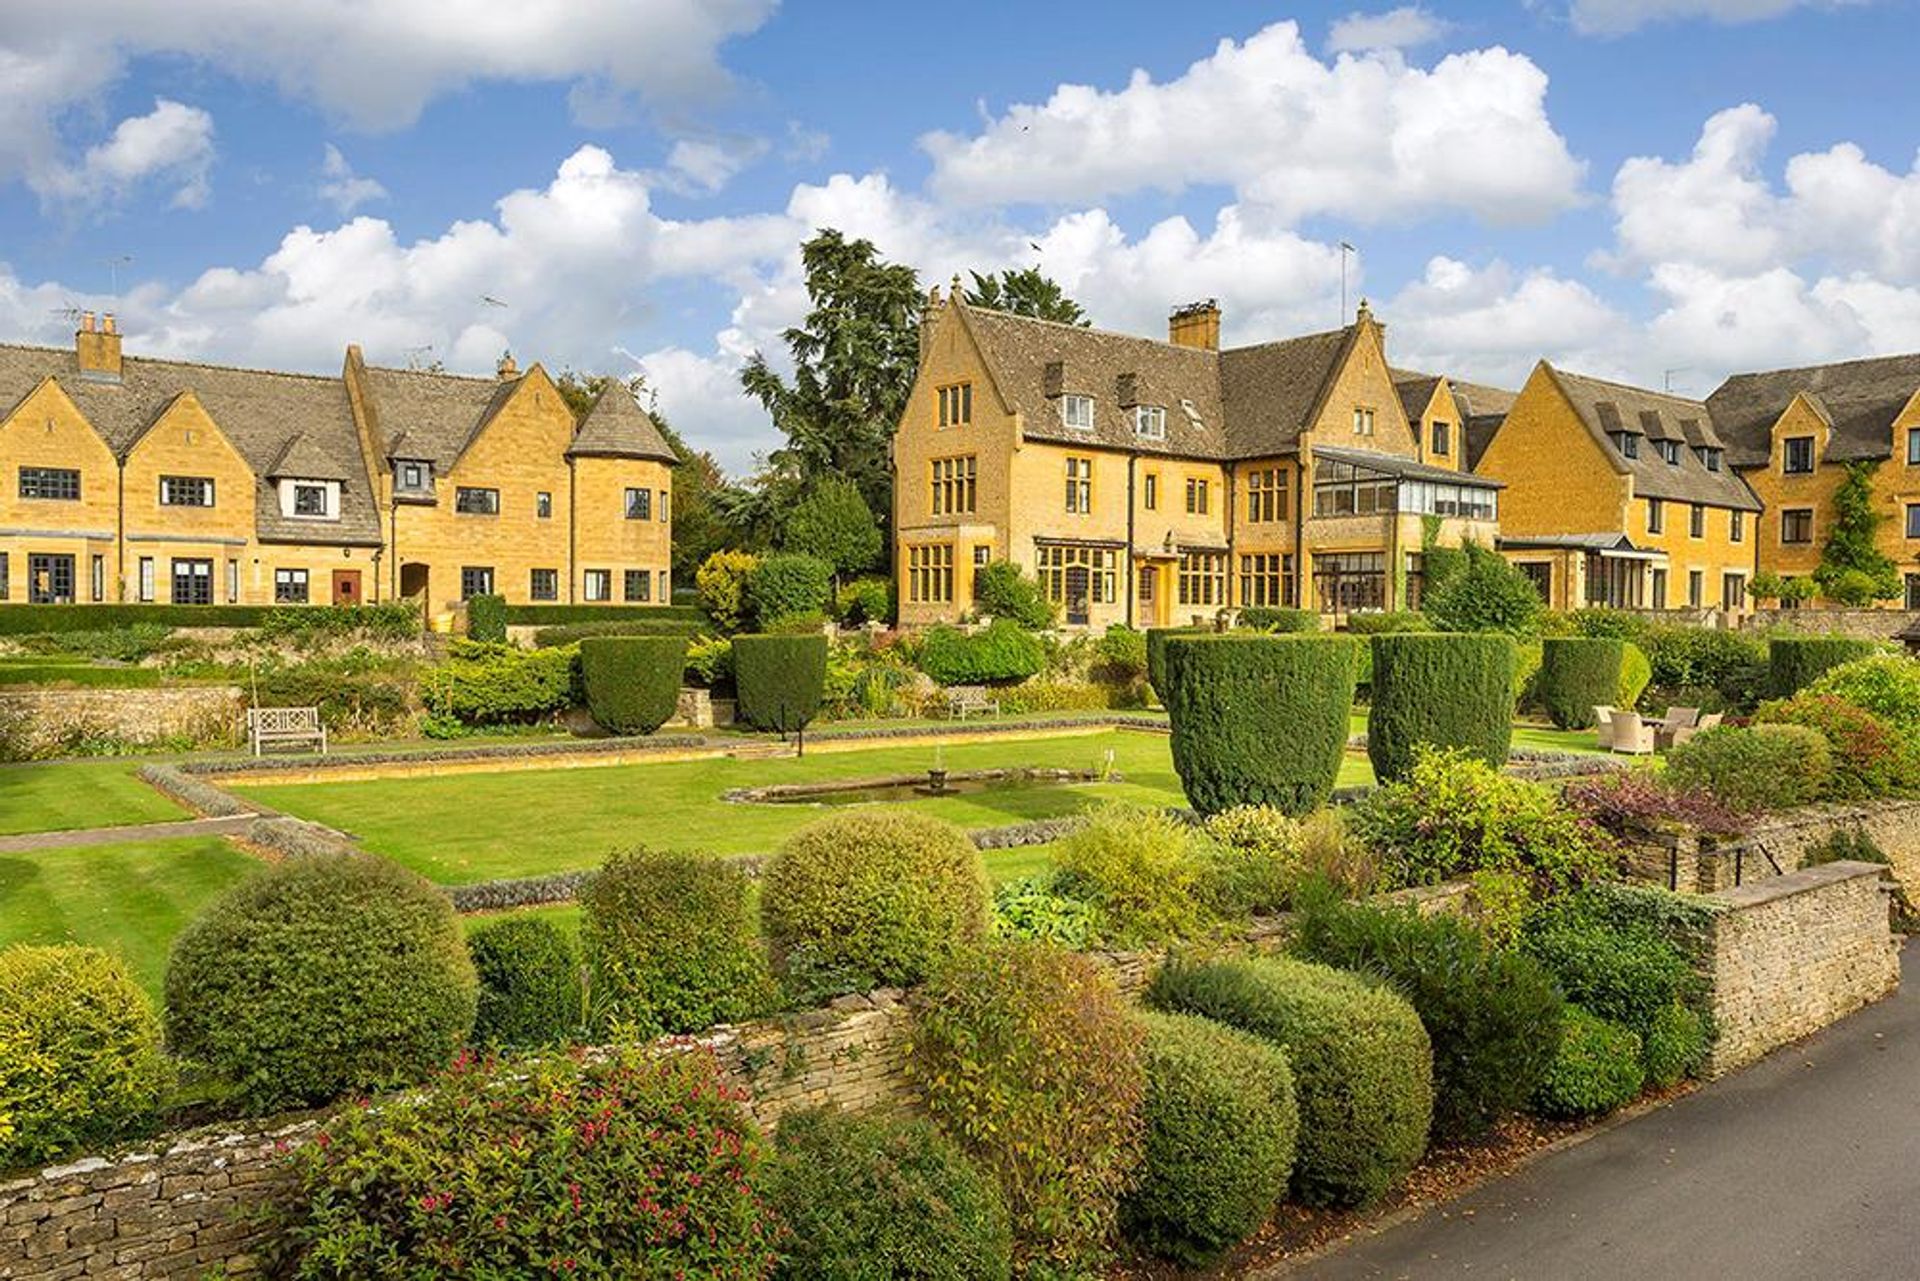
<point>507,370</point>
<point>98,348</point>
<point>1195,325</point>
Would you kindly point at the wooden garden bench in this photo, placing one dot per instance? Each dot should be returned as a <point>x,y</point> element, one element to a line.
<point>295,726</point>
<point>962,699</point>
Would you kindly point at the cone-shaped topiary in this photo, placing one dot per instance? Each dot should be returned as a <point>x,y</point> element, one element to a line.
<point>1445,689</point>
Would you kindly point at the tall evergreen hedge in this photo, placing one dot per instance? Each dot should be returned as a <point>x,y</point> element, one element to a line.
<point>1259,720</point>
<point>1578,674</point>
<point>633,682</point>
<point>1794,662</point>
<point>487,618</point>
<point>1157,638</point>
<point>780,679</point>
<point>1447,689</point>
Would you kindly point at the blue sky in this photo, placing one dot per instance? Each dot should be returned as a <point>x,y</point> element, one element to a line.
<point>1651,189</point>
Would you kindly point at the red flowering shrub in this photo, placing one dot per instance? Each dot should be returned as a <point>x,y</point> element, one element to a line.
<point>1635,800</point>
<point>625,1166</point>
<point>1870,757</point>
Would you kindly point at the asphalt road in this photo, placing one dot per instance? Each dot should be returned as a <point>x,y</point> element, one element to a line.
<point>1803,1166</point>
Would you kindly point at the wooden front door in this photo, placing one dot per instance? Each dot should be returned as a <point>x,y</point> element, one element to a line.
<point>346,587</point>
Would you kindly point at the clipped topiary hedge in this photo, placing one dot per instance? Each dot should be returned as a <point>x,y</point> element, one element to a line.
<point>487,618</point>
<point>780,680</point>
<point>1794,662</point>
<point>671,942</point>
<point>1157,638</point>
<point>1221,1128</point>
<point>1578,674</point>
<point>1259,720</point>
<point>884,1196</point>
<point>633,682</point>
<point>1273,618</point>
<point>871,898</point>
<point>320,976</point>
<point>80,1059</point>
<point>1362,1064</point>
<point>530,991</point>
<point>1445,689</point>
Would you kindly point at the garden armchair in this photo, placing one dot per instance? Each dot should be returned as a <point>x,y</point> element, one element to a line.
<point>1603,727</point>
<point>1681,733</point>
<point>1632,734</point>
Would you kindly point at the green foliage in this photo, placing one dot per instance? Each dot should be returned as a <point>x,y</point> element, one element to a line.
<point>871,898</point>
<point>1157,638</point>
<point>875,1198</point>
<point>487,619</point>
<point>574,633</point>
<point>865,600</point>
<point>1766,585</point>
<point>632,683</point>
<point>321,976</point>
<point>1001,651</point>
<point>80,1059</point>
<point>356,691</point>
<point>1674,1046</point>
<point>1578,674</point>
<point>833,524</point>
<point>82,675</point>
<point>1853,570</point>
<point>661,614</point>
<point>491,684</point>
<point>1493,1014</point>
<point>1795,662</point>
<point>787,586</point>
<point>1024,292</point>
<point>530,992</point>
<point>1441,689</point>
<point>1029,1057</point>
<point>1636,670</point>
<point>1596,1069</point>
<point>1453,815</point>
<point>1221,1128</point>
<point>1486,595</point>
<point>1227,696</point>
<point>1033,908</point>
<point>19,619</point>
<point>1870,757</point>
<point>389,620</point>
<point>1362,1064</point>
<point>1123,654</point>
<point>1272,618</point>
<point>1613,624</point>
<point>671,942</point>
<point>1253,861</point>
<point>1139,869</point>
<point>709,661</point>
<point>1888,685</point>
<point>1689,661</point>
<point>1761,767</point>
<point>625,1164</point>
<point>721,582</point>
<point>1383,622</point>
<point>780,680</point>
<point>1001,590</point>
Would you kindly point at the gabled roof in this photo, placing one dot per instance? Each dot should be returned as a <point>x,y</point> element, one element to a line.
<point>1482,408</point>
<point>302,459</point>
<point>1274,391</point>
<point>260,411</point>
<point>1416,391</point>
<point>1860,399</point>
<point>616,427</point>
<point>1609,407</point>
<point>436,415</point>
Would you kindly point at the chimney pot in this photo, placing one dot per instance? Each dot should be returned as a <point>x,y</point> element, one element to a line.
<point>86,322</point>
<point>107,324</point>
<point>1195,325</point>
<point>97,349</point>
<point>507,369</point>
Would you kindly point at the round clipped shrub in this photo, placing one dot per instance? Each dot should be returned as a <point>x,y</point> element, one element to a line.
<point>1871,758</point>
<point>529,983</point>
<point>80,1058</point>
<point>1578,674</point>
<point>1673,1046</point>
<point>788,585</point>
<point>1794,662</point>
<point>1028,1056</point>
<point>319,976</point>
<point>623,1164</point>
<point>884,1196</point>
<point>1273,618</point>
<point>1636,670</point>
<point>1157,638</point>
<point>1000,651</point>
<point>1493,1014</point>
<point>671,942</point>
<point>1758,767</point>
<point>1362,1064</point>
<point>1139,868</point>
<point>1596,1069</point>
<point>1221,1127</point>
<point>780,680</point>
<point>633,682</point>
<point>871,898</point>
<point>1449,690</point>
<point>1259,720</point>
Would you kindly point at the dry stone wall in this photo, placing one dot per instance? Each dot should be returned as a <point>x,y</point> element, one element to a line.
<point>45,717</point>
<point>1775,845</point>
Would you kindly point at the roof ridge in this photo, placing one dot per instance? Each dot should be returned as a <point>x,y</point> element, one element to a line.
<point>1614,382</point>
<point>443,373</point>
<point>1341,332</point>
<point>1825,365</point>
<point>183,364</point>
<point>997,313</point>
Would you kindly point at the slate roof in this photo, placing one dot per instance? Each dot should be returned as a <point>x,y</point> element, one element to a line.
<point>433,416</point>
<point>616,427</point>
<point>1482,408</point>
<point>1609,407</point>
<point>264,413</point>
<point>1416,391</point>
<point>1860,398</point>
<point>1245,402</point>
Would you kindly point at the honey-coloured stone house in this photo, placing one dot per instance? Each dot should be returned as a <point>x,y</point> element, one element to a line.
<point>128,479</point>
<point>1148,482</point>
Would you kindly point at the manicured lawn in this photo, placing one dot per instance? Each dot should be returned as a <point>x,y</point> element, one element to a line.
<point>131,899</point>
<point>57,798</point>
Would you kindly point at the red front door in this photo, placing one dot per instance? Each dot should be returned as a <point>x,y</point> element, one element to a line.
<point>346,587</point>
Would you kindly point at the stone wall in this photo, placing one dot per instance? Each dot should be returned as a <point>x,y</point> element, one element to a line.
<point>1789,955</point>
<point>207,714</point>
<point>1775,845</point>
<point>1875,624</point>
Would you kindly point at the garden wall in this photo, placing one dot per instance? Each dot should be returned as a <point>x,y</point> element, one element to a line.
<point>1789,955</point>
<point>1776,845</point>
<point>47,717</point>
<point>1875,624</point>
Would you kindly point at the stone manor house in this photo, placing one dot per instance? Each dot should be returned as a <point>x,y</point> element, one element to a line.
<point>139,480</point>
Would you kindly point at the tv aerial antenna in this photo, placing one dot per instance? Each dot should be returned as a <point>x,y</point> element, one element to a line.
<point>417,357</point>
<point>113,264</point>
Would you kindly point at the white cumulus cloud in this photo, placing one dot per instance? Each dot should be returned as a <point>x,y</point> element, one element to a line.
<point>1407,27</point>
<point>341,187</point>
<point>171,145</point>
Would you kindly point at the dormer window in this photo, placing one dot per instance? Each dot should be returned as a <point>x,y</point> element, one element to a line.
<point>1076,413</point>
<point>1797,456</point>
<point>1710,457</point>
<point>414,475</point>
<point>1150,422</point>
<point>1627,443</point>
<point>309,500</point>
<point>1669,450</point>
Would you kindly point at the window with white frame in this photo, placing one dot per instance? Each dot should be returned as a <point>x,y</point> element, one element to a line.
<point>290,587</point>
<point>186,491</point>
<point>1076,413</point>
<point>1362,421</point>
<point>597,585</point>
<point>1150,422</point>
